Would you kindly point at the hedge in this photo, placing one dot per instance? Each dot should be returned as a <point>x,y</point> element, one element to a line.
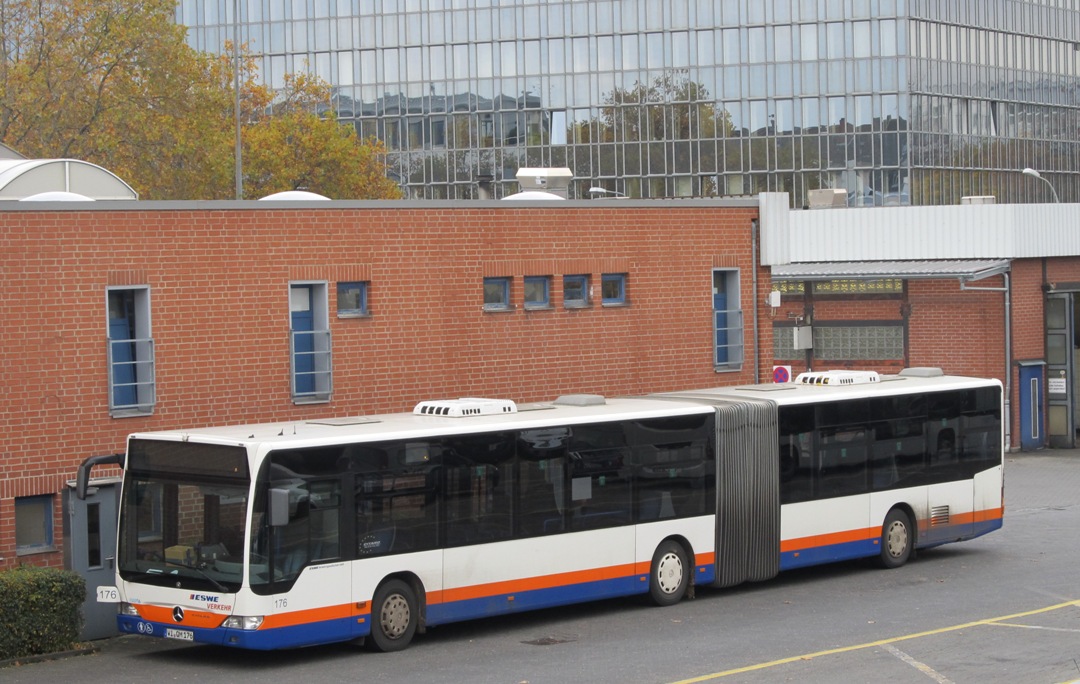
<point>40,609</point>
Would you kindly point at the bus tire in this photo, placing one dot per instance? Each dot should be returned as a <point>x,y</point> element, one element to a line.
<point>897,539</point>
<point>669,576</point>
<point>394,616</point>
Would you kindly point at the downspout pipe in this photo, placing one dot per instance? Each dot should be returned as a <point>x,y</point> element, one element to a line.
<point>754,228</point>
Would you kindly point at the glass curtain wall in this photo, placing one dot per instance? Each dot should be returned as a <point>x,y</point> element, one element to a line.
<point>895,101</point>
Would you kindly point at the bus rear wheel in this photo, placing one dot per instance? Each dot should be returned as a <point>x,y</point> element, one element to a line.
<point>393,616</point>
<point>670,574</point>
<point>897,539</point>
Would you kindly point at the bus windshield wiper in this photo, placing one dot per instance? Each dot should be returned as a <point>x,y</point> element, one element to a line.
<point>217,585</point>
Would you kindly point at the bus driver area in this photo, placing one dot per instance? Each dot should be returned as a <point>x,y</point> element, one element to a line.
<point>378,527</point>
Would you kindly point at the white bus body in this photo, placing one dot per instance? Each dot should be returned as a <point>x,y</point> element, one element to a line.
<point>293,534</point>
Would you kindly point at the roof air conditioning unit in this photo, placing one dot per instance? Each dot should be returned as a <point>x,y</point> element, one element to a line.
<point>467,406</point>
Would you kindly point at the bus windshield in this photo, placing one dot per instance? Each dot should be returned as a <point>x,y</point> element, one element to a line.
<point>184,525</point>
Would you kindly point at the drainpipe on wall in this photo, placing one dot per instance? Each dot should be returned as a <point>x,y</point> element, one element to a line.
<point>754,264</point>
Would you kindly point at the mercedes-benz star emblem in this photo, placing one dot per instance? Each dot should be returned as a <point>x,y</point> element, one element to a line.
<point>178,614</point>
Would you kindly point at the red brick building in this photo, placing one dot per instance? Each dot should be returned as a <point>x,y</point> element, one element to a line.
<point>122,317</point>
<point>202,296</point>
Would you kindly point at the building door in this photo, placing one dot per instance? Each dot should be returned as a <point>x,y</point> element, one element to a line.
<point>1061,423</point>
<point>303,326</point>
<point>91,552</point>
<point>1032,411</point>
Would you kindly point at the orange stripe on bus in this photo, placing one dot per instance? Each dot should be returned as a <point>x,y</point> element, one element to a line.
<point>534,583</point>
<point>561,579</point>
<point>303,617</point>
<point>801,543</point>
<point>830,539</point>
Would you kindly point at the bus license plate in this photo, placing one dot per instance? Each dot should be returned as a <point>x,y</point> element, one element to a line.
<point>181,634</point>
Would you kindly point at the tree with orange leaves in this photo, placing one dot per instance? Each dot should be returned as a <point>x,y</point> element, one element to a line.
<point>113,82</point>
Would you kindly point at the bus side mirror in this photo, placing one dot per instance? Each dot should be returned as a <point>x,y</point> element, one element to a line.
<point>82,476</point>
<point>279,507</point>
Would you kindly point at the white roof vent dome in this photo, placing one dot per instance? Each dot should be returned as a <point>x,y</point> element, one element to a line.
<point>835,378</point>
<point>57,196</point>
<point>464,407</point>
<point>294,196</point>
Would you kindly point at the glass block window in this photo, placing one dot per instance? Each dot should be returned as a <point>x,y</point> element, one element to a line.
<point>858,343</point>
<point>784,345</point>
<point>843,287</point>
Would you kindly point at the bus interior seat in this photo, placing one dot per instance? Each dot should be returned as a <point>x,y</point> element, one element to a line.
<point>656,505</point>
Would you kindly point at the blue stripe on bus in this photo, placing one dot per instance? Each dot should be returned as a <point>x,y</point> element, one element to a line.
<point>536,599</point>
<point>831,553</point>
<point>344,629</point>
<point>551,597</point>
<point>987,526</point>
<point>867,548</point>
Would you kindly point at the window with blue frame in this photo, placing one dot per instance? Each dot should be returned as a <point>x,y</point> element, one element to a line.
<point>33,524</point>
<point>613,288</point>
<point>575,291</point>
<point>310,342</point>
<point>496,294</point>
<point>130,352</point>
<point>352,299</point>
<point>537,292</point>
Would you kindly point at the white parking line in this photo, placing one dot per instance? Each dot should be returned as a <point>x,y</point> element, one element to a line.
<point>921,667</point>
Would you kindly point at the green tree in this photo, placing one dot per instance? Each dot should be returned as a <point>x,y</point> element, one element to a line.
<point>113,82</point>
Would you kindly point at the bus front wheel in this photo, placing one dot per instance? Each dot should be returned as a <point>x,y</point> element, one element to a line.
<point>670,574</point>
<point>393,616</point>
<point>897,539</point>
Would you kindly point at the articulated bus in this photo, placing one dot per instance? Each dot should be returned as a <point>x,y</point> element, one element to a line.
<point>378,527</point>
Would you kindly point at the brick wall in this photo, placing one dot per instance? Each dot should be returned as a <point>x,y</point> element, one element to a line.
<point>219,282</point>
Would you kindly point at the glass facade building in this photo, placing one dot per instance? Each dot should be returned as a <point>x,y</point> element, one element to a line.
<point>895,101</point>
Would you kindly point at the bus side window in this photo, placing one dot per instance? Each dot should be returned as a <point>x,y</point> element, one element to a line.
<point>542,457</point>
<point>478,488</point>
<point>842,466</point>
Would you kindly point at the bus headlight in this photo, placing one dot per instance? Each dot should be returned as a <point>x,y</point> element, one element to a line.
<point>128,609</point>
<point>245,622</point>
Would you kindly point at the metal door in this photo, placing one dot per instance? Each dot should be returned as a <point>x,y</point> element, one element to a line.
<point>1032,413</point>
<point>1061,425</point>
<point>91,552</point>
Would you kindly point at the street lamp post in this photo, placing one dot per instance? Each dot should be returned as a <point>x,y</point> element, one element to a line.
<point>596,190</point>
<point>1035,174</point>
<point>238,166</point>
